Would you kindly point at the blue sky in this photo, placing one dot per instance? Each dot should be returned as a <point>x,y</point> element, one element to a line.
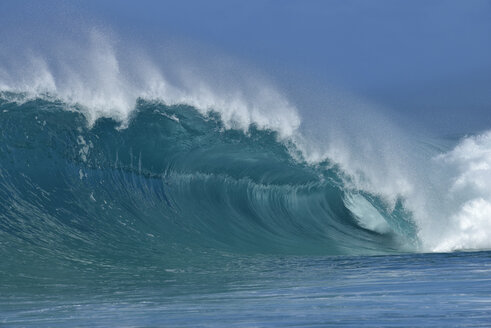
<point>425,60</point>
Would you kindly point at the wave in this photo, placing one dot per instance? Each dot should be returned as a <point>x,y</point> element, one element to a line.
<point>174,179</point>
<point>101,154</point>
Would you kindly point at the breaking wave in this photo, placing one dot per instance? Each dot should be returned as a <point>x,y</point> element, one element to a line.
<point>103,159</point>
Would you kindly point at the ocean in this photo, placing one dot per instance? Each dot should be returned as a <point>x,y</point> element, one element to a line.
<point>245,164</point>
<point>176,220</point>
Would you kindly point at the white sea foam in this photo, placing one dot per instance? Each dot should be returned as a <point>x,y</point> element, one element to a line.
<point>468,226</point>
<point>448,194</point>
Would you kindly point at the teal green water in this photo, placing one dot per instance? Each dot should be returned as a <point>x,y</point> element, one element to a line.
<point>172,179</point>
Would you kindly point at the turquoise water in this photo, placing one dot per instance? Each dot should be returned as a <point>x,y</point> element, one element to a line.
<point>178,220</point>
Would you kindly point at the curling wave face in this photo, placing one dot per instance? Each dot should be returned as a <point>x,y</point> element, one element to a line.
<point>174,180</point>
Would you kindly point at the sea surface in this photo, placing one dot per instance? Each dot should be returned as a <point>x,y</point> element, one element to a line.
<point>423,290</point>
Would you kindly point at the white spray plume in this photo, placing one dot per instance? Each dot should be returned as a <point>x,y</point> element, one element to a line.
<point>106,82</point>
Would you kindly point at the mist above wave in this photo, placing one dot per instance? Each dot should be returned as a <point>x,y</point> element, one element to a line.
<point>106,79</point>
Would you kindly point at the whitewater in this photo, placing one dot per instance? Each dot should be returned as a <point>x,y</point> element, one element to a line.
<point>134,192</point>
